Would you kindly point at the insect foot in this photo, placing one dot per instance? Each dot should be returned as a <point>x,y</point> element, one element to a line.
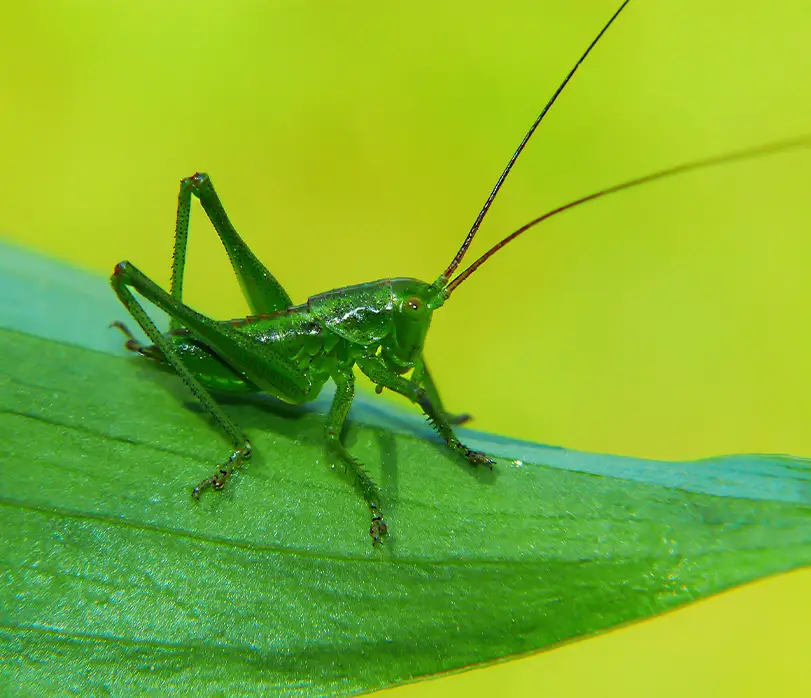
<point>366,487</point>
<point>217,480</point>
<point>378,529</point>
<point>133,345</point>
<point>478,458</point>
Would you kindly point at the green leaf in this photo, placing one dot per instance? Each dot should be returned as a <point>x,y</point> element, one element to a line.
<point>115,581</point>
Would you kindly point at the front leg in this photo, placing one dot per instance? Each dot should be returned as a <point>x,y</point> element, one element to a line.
<point>377,371</point>
<point>422,376</point>
<point>345,391</point>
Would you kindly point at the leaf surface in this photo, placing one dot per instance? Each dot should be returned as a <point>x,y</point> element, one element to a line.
<point>115,581</point>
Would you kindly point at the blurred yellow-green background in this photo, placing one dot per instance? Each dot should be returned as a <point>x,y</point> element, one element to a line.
<point>351,142</point>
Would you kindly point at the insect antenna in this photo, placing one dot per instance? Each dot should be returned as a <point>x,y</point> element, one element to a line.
<point>748,153</point>
<point>446,275</point>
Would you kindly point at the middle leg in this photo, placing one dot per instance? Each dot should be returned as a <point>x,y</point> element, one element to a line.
<point>345,391</point>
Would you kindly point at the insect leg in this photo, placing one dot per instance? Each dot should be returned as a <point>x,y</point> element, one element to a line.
<point>242,447</point>
<point>377,371</point>
<point>345,391</point>
<point>261,363</point>
<point>421,376</point>
<point>132,344</point>
<point>260,288</point>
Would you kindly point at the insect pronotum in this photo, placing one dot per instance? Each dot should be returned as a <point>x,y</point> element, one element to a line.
<point>291,351</point>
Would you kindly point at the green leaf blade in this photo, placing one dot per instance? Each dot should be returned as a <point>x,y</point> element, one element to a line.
<point>114,580</point>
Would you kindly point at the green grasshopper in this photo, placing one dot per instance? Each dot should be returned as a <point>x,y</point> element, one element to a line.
<point>291,351</point>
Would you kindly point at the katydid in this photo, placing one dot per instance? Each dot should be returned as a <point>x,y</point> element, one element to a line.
<point>291,351</point>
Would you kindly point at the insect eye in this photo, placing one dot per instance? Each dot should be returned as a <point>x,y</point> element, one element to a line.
<point>414,305</point>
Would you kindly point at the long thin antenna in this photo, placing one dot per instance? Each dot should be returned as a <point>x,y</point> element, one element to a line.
<point>768,149</point>
<point>477,223</point>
